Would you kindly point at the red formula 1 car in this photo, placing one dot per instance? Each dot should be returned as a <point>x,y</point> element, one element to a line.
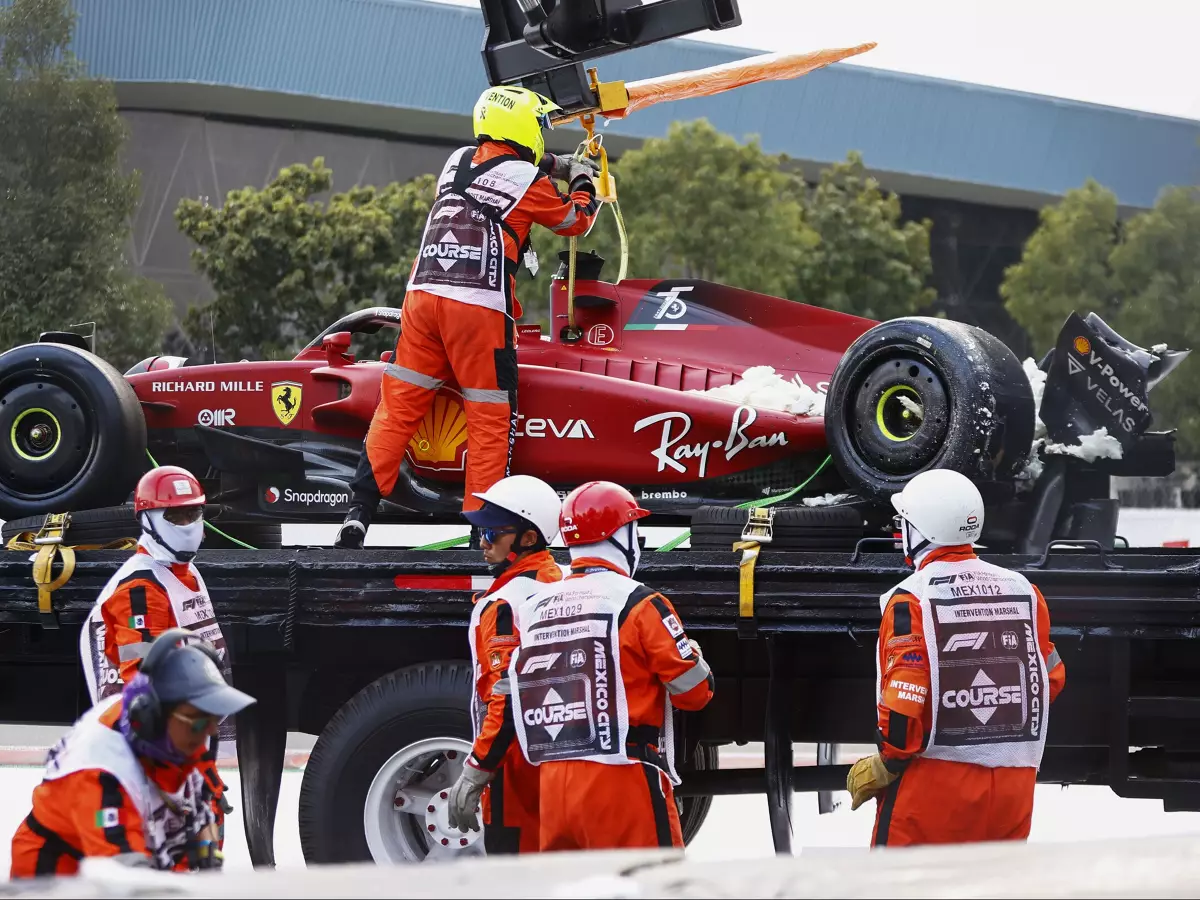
<point>619,397</point>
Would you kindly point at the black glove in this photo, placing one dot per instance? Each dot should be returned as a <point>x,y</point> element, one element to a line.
<point>566,167</point>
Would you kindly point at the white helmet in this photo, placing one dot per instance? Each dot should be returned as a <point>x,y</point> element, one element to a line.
<point>943,505</point>
<point>528,497</point>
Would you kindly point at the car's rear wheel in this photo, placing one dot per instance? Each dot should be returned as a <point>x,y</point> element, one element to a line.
<point>114,523</point>
<point>919,393</point>
<point>72,434</point>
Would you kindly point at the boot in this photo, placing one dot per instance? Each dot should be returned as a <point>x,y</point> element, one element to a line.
<point>354,528</point>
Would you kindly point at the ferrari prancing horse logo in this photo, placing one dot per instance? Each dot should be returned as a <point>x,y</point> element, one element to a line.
<point>285,400</point>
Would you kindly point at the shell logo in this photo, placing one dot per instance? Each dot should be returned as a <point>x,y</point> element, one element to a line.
<point>441,438</point>
<point>1083,346</point>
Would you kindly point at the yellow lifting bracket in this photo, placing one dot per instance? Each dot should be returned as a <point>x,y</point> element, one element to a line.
<point>49,544</point>
<point>759,530</point>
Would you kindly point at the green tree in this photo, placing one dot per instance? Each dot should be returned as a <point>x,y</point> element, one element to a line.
<point>1156,274</point>
<point>698,204</point>
<point>864,261</point>
<point>1065,265</point>
<point>284,265</point>
<point>66,206</point>
<point>1142,277</point>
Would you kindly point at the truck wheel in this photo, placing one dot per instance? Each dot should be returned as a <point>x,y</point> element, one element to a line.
<point>694,810</point>
<point>72,433</point>
<point>374,787</point>
<point>921,393</point>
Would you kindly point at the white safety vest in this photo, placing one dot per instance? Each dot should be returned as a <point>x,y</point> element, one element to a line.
<point>193,611</point>
<point>989,691</point>
<point>513,592</point>
<point>169,819</point>
<point>565,677</point>
<point>462,247</point>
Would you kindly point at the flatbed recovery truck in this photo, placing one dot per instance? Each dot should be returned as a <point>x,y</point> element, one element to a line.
<point>368,650</point>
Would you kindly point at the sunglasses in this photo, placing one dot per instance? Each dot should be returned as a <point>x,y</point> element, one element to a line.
<point>544,121</point>
<point>490,534</point>
<point>183,515</point>
<point>199,724</point>
<point>898,522</point>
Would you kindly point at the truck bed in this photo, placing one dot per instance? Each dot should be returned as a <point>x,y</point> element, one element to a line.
<point>308,628</point>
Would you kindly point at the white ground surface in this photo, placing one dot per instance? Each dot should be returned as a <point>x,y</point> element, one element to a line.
<point>736,828</point>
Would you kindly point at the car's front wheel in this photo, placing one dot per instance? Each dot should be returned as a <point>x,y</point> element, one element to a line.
<point>72,433</point>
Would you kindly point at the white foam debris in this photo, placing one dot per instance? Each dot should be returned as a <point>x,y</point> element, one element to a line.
<point>1159,348</point>
<point>1091,447</point>
<point>1032,470</point>
<point>762,388</point>
<point>826,499</point>
<point>1037,381</point>
<point>912,406</point>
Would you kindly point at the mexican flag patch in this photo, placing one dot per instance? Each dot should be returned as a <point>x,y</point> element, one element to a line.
<point>137,621</point>
<point>107,818</point>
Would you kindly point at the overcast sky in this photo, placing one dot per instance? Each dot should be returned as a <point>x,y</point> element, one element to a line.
<point>1138,54</point>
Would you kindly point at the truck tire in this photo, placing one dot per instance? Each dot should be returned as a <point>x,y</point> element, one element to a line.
<point>921,393</point>
<point>795,528</point>
<point>427,702</point>
<point>402,710</point>
<point>72,433</point>
<point>694,810</point>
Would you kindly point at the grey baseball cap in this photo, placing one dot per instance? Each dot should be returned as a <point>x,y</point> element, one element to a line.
<point>190,676</point>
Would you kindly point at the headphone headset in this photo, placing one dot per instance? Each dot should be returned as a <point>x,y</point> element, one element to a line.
<point>144,708</point>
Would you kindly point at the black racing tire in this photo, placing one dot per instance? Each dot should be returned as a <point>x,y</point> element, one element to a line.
<point>794,528</point>
<point>416,703</point>
<point>112,523</point>
<point>920,393</point>
<point>72,433</point>
<point>88,526</point>
<point>259,535</point>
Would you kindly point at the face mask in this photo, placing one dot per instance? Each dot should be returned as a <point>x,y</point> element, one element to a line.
<point>627,542</point>
<point>168,542</point>
<point>913,542</point>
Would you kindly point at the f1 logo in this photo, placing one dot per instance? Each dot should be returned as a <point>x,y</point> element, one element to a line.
<point>539,663</point>
<point>973,640</point>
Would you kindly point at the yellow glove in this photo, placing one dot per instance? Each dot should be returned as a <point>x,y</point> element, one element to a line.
<point>867,778</point>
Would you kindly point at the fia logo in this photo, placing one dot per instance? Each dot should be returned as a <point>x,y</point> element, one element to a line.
<point>1009,640</point>
<point>578,658</point>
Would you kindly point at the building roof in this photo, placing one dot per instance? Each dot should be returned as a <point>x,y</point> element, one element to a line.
<point>412,67</point>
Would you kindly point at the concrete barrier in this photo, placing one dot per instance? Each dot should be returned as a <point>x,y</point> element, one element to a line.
<point>1147,867</point>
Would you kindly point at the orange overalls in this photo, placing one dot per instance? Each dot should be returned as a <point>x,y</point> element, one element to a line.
<point>510,802</point>
<point>937,801</point>
<point>443,338</point>
<point>593,806</point>
<point>143,601</point>
<point>66,824</point>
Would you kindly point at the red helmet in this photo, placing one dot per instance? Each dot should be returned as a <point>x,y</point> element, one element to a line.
<point>167,487</point>
<point>595,511</point>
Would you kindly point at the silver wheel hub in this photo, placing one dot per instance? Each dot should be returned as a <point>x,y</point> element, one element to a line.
<point>406,813</point>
